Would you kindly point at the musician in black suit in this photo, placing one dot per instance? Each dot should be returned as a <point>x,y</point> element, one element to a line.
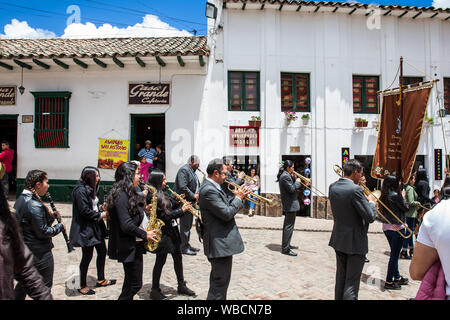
<point>187,183</point>
<point>239,180</point>
<point>221,237</point>
<point>352,213</point>
<point>289,200</point>
<point>128,230</point>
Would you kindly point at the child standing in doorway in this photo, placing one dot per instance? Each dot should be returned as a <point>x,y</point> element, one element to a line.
<point>143,171</point>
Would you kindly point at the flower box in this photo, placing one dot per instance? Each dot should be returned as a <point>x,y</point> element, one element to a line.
<point>254,123</point>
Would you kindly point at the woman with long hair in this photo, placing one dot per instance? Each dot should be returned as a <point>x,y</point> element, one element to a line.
<point>168,211</point>
<point>16,260</point>
<point>393,198</point>
<point>88,230</point>
<point>289,185</point>
<point>127,222</point>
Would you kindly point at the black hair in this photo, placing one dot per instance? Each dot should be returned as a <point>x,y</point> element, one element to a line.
<point>351,166</point>
<point>5,142</point>
<point>226,160</point>
<point>213,165</point>
<point>124,177</point>
<point>156,179</point>
<point>88,176</point>
<point>446,185</point>
<point>286,164</point>
<point>390,183</point>
<point>160,146</point>
<point>33,177</point>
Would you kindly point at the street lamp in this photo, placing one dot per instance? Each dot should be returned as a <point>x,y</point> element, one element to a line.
<point>211,10</point>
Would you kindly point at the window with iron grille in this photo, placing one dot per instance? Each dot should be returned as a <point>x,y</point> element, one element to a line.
<point>51,125</point>
<point>447,95</point>
<point>295,92</point>
<point>243,91</point>
<point>365,98</point>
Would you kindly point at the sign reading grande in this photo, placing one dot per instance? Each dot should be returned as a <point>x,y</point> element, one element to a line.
<point>244,136</point>
<point>8,96</point>
<point>146,93</point>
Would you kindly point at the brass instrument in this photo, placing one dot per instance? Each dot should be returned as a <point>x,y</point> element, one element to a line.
<point>153,222</point>
<point>246,177</point>
<point>259,199</point>
<point>204,174</point>
<point>367,192</point>
<point>195,212</point>
<point>306,182</point>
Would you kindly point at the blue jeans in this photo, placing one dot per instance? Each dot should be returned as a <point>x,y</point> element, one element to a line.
<point>251,204</point>
<point>395,242</point>
<point>409,243</point>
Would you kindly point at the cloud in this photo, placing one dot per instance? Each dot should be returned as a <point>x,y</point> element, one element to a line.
<point>17,29</point>
<point>151,26</point>
<point>441,3</point>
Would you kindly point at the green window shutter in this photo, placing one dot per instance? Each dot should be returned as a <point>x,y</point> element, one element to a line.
<point>365,97</point>
<point>295,93</point>
<point>51,126</point>
<point>243,91</point>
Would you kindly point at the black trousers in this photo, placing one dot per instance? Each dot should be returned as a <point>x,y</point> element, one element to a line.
<point>133,275</point>
<point>44,264</point>
<point>159,264</point>
<point>348,275</point>
<point>288,230</point>
<point>185,231</point>
<point>219,278</point>
<point>86,258</point>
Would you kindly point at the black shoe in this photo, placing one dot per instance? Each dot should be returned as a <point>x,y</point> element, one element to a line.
<point>183,289</point>
<point>87,293</point>
<point>156,294</point>
<point>289,253</point>
<point>194,249</point>
<point>404,255</point>
<point>366,260</point>
<point>411,252</point>
<point>189,252</point>
<point>392,286</point>
<point>401,281</point>
<point>293,247</point>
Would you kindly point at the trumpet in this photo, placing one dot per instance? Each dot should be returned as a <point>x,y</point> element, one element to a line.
<point>246,177</point>
<point>259,199</point>
<point>367,192</point>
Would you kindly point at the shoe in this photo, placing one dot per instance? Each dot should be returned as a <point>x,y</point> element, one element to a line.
<point>87,293</point>
<point>293,247</point>
<point>183,289</point>
<point>401,281</point>
<point>189,252</point>
<point>404,255</point>
<point>411,252</point>
<point>366,260</point>
<point>156,294</point>
<point>289,253</point>
<point>194,249</point>
<point>392,286</point>
<point>105,283</point>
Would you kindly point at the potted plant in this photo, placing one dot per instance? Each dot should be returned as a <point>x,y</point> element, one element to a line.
<point>254,122</point>
<point>358,122</point>
<point>364,122</point>
<point>305,119</point>
<point>290,116</point>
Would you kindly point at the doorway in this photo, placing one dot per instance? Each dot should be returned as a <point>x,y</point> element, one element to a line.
<point>8,132</point>
<point>302,165</point>
<point>146,127</point>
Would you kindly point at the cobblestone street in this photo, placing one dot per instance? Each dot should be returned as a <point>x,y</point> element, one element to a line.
<point>260,272</point>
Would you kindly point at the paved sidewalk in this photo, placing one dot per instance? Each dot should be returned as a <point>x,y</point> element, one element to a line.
<point>261,272</point>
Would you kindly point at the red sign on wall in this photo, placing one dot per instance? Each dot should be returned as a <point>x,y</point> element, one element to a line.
<point>244,136</point>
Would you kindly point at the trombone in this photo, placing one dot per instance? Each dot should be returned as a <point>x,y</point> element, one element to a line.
<point>306,182</point>
<point>367,192</point>
<point>246,177</point>
<point>259,199</point>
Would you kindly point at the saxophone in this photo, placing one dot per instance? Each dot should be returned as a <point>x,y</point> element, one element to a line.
<point>153,221</point>
<point>195,212</point>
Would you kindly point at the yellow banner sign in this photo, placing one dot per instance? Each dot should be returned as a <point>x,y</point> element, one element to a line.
<point>112,152</point>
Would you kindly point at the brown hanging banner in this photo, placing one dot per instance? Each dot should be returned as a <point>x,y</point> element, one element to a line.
<point>399,134</point>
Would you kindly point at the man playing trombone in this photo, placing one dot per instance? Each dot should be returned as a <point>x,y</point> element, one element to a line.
<point>352,214</point>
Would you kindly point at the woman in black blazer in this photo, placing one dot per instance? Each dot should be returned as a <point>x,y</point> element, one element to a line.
<point>168,211</point>
<point>128,224</point>
<point>88,230</point>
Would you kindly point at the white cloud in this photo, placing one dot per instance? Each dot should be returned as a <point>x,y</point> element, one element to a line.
<point>151,26</point>
<point>441,3</point>
<point>17,29</point>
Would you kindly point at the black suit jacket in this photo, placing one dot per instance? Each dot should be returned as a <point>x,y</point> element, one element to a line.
<point>352,213</point>
<point>221,237</point>
<point>124,229</point>
<point>186,182</point>
<point>288,192</point>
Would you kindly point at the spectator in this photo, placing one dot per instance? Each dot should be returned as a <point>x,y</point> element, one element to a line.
<point>148,152</point>
<point>6,158</point>
<point>435,198</point>
<point>433,243</point>
<point>160,160</point>
<point>16,260</point>
<point>253,186</point>
<point>411,215</point>
<point>144,167</point>
<point>423,187</point>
